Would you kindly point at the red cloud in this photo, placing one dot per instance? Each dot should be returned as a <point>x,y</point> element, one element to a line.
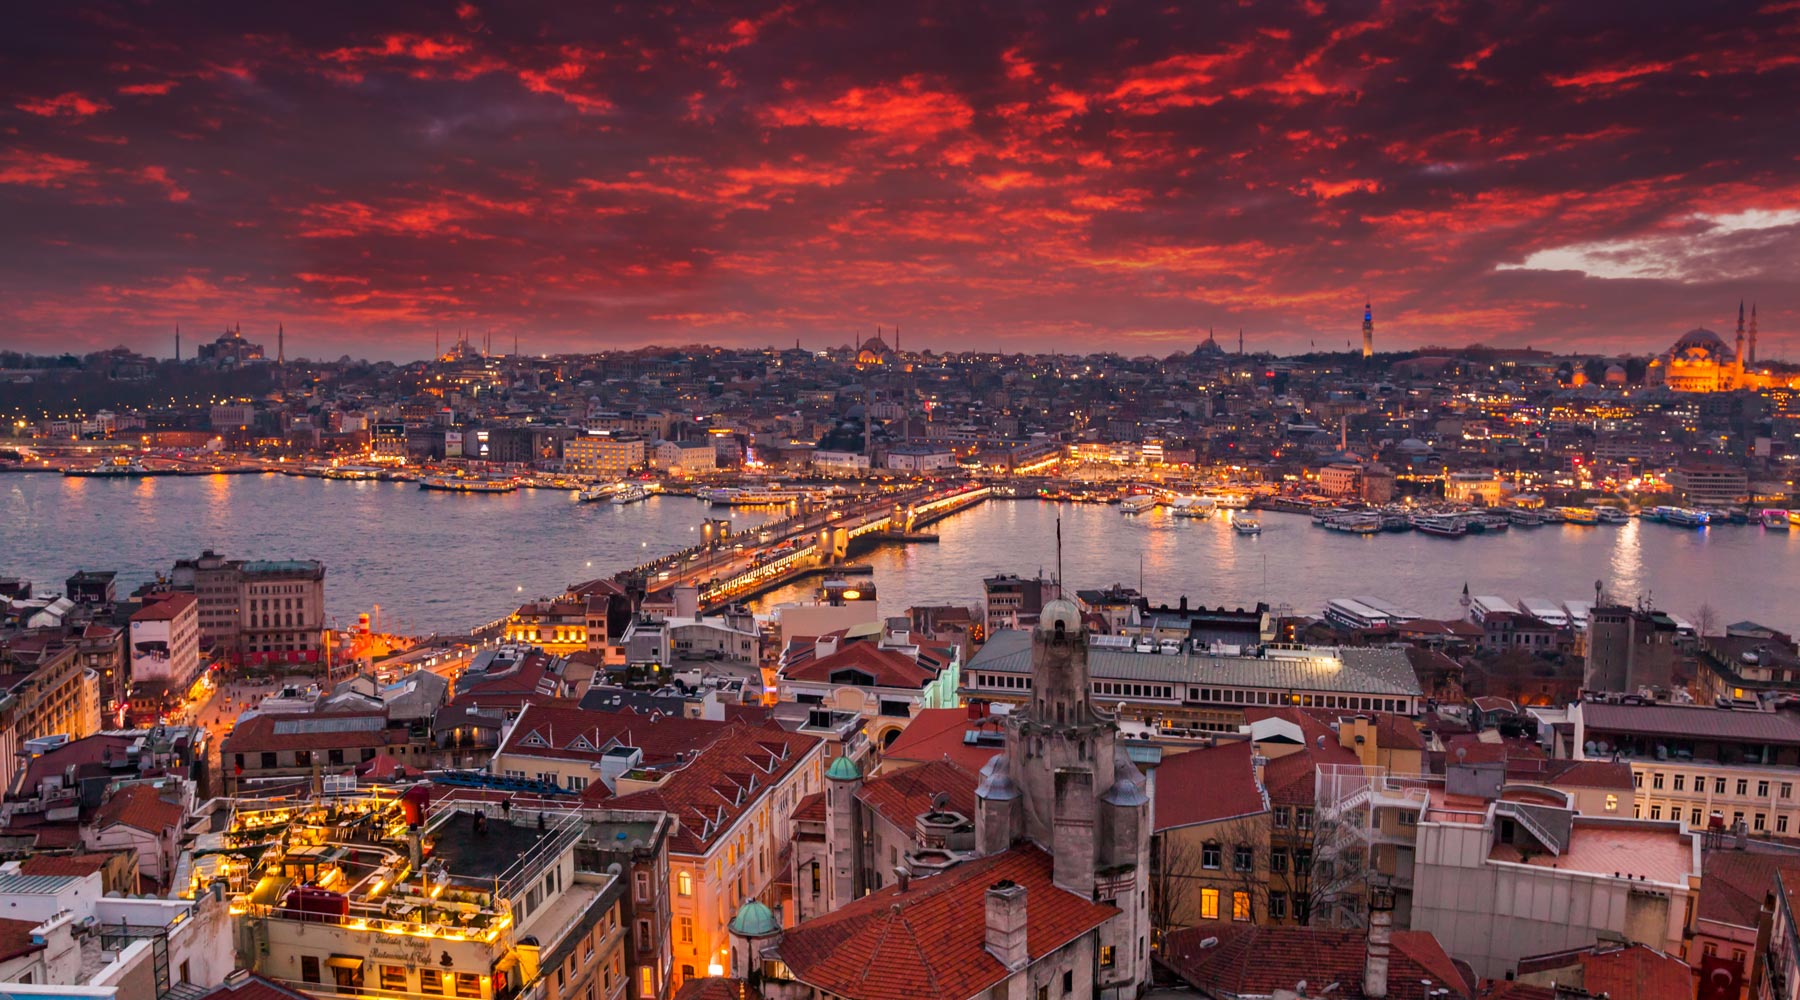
<point>69,105</point>
<point>39,169</point>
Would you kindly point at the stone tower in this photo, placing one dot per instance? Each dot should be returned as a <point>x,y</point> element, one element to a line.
<point>1067,785</point>
<point>1368,331</point>
<point>843,779</point>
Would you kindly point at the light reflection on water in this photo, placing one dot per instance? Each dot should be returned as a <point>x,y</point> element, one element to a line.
<point>445,561</point>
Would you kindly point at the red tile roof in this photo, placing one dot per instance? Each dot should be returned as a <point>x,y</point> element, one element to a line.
<point>241,985</point>
<point>811,809</point>
<point>15,939</point>
<point>1589,774</point>
<point>889,668</point>
<point>1247,959</point>
<point>1631,970</point>
<point>140,807</point>
<point>931,939</point>
<point>64,864</point>
<point>708,793</point>
<point>1227,775</point>
<point>1733,884</point>
<point>164,607</point>
<point>938,734</point>
<point>901,796</point>
<point>258,733</point>
<point>563,731</point>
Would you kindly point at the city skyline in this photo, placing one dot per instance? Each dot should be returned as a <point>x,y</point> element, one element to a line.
<point>1101,177</point>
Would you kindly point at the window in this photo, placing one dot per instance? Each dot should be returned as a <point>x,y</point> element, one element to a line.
<point>1694,818</point>
<point>1302,860</point>
<point>334,756</point>
<point>1240,905</point>
<point>1762,789</point>
<point>687,930</point>
<point>1736,818</point>
<point>1743,786</point>
<point>1281,817</point>
<point>1278,859</point>
<point>1760,822</point>
<point>1787,789</point>
<point>1718,786</point>
<point>393,978</point>
<point>1637,778</point>
<point>1278,905</point>
<point>1680,782</point>
<point>684,883</point>
<point>1106,956</point>
<point>1210,856</point>
<point>1068,981</point>
<point>1243,858</point>
<point>1209,904</point>
<point>646,980</point>
<point>643,886</point>
<point>1303,818</point>
<point>468,986</point>
<point>1656,780</point>
<point>309,968</point>
<point>1780,823</point>
<point>431,981</point>
<point>1043,993</point>
<point>268,758</point>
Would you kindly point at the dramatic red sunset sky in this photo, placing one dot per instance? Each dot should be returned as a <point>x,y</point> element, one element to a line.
<point>1105,175</point>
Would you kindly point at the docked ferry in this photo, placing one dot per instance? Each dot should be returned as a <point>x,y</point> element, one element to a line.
<point>460,484</point>
<point>1354,524</point>
<point>1579,515</point>
<point>1442,525</point>
<point>1775,520</point>
<point>116,468</point>
<point>631,493</point>
<point>1611,515</point>
<point>1682,517</point>
<point>1245,524</point>
<point>1137,503</point>
<point>1191,507</point>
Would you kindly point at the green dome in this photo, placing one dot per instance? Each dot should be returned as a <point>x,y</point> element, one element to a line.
<point>754,920</point>
<point>843,769</point>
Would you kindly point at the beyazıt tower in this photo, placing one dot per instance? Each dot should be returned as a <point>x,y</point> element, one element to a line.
<point>1368,330</point>
<point>1066,784</point>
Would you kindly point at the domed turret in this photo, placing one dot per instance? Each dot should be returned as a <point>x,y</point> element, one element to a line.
<point>843,769</point>
<point>996,783</point>
<point>754,920</point>
<point>1060,616</point>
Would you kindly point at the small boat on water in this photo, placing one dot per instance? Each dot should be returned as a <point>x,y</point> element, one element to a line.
<point>631,493</point>
<point>1579,515</point>
<point>1682,517</point>
<point>1775,519</point>
<point>1522,517</point>
<point>1657,513</point>
<point>596,493</point>
<point>1244,524</point>
<point>1201,507</point>
<point>1354,524</point>
<point>1611,515</point>
<point>1441,525</point>
<point>1138,503</point>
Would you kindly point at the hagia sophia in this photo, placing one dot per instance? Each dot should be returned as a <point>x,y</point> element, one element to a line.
<point>1702,362</point>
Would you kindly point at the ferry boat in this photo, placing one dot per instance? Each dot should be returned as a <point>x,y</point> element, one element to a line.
<point>1191,507</point>
<point>1658,513</point>
<point>1244,524</point>
<point>1489,522</point>
<point>596,493</point>
<point>459,484</point>
<point>1442,525</point>
<point>116,468</point>
<point>1396,520</point>
<point>1229,501</point>
<point>1681,517</point>
<point>748,496</point>
<point>1794,517</point>
<point>631,493</point>
<point>1776,520</point>
<point>1524,518</point>
<point>1354,524</point>
<point>357,472</point>
<point>1322,514</point>
<point>1611,515</point>
<point>1579,515</point>
<point>1137,503</point>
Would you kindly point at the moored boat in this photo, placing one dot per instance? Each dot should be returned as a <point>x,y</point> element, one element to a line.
<point>1775,519</point>
<point>460,484</point>
<point>630,493</point>
<point>1137,503</point>
<point>1611,515</point>
<point>1244,524</point>
<point>1682,517</point>
<point>1579,515</point>
<point>1441,525</point>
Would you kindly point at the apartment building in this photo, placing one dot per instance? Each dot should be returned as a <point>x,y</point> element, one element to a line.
<point>877,673</point>
<point>731,787</point>
<point>1700,765</point>
<point>254,611</point>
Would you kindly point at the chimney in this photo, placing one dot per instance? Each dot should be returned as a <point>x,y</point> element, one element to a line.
<point>1006,924</point>
<point>1381,936</point>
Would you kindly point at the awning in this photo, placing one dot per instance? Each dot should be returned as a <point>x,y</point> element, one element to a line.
<point>344,962</point>
<point>506,962</point>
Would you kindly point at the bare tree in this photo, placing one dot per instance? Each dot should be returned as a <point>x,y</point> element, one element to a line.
<point>1706,619</point>
<point>1324,870</point>
<point>1232,858</point>
<point>1175,873</point>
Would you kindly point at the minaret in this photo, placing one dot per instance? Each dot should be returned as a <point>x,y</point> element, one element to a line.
<point>178,342</point>
<point>280,344</point>
<point>1240,340</point>
<point>1753,333</point>
<point>1368,331</point>
<point>1740,335</point>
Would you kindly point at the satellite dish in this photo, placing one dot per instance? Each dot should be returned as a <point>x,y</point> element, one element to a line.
<point>939,801</point>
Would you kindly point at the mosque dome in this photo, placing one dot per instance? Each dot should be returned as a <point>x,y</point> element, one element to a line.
<point>754,920</point>
<point>1701,345</point>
